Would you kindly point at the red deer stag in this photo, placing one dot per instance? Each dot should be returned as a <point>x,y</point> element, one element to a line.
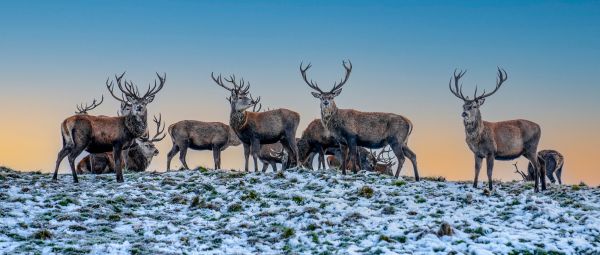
<point>137,157</point>
<point>504,140</point>
<point>199,135</point>
<point>315,140</point>
<point>372,130</point>
<point>97,134</point>
<point>256,128</point>
<point>380,163</point>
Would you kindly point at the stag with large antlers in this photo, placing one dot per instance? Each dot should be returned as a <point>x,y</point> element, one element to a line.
<point>97,134</point>
<point>353,128</point>
<point>256,128</point>
<point>137,157</point>
<point>504,140</point>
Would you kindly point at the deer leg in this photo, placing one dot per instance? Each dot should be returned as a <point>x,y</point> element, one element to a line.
<point>413,160</point>
<point>352,152</point>
<point>536,171</point>
<point>550,167</point>
<point>489,160</point>
<point>61,155</point>
<point>478,161</point>
<point>117,154</point>
<point>246,155</point>
<point>183,154</point>
<point>216,152</point>
<point>254,150</point>
<point>399,153</point>
<point>274,166</point>
<point>558,174</point>
<point>171,154</point>
<point>344,152</point>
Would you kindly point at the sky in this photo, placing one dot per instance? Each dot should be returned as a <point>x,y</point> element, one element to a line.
<point>56,54</point>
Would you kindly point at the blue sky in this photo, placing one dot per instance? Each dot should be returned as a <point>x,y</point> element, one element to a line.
<point>55,54</point>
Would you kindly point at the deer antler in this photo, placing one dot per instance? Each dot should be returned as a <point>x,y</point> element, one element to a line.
<point>159,131</point>
<point>255,109</point>
<point>523,175</point>
<point>110,87</point>
<point>502,77</point>
<point>457,91</point>
<point>336,86</point>
<point>81,109</point>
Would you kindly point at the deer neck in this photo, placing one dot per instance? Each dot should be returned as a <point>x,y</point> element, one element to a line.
<point>328,116</point>
<point>135,125</point>
<point>474,129</point>
<point>237,120</point>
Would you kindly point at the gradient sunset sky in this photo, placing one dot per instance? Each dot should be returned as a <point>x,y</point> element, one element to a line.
<point>56,54</point>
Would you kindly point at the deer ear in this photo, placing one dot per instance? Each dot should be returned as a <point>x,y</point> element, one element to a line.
<point>315,94</point>
<point>480,101</point>
<point>337,92</point>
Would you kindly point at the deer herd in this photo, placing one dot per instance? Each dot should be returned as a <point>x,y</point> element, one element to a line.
<point>346,136</point>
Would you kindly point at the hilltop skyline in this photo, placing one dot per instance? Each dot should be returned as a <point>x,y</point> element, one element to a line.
<point>59,54</point>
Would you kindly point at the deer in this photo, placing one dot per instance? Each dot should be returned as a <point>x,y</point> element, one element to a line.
<point>335,157</point>
<point>315,140</point>
<point>271,155</point>
<point>256,128</point>
<point>380,163</point>
<point>200,135</point>
<point>504,140</point>
<point>373,130</point>
<point>553,162</point>
<point>137,157</point>
<point>97,134</point>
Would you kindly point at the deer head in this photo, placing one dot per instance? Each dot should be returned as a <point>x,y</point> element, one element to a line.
<point>146,144</point>
<point>383,159</point>
<point>240,98</point>
<point>471,113</point>
<point>327,97</point>
<point>132,101</point>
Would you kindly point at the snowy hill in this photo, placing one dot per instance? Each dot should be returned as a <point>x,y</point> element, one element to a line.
<point>298,212</point>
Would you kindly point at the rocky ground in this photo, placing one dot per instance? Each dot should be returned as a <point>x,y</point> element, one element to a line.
<point>296,212</point>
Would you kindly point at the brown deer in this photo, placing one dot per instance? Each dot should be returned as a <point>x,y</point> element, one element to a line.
<point>335,157</point>
<point>315,140</point>
<point>256,128</point>
<point>83,109</point>
<point>372,130</point>
<point>553,162</point>
<point>199,135</point>
<point>504,140</point>
<point>380,163</point>
<point>271,155</point>
<point>137,157</point>
<point>97,134</point>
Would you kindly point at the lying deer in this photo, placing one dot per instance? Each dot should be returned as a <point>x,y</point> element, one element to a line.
<point>353,128</point>
<point>137,157</point>
<point>553,162</point>
<point>504,140</point>
<point>380,163</point>
<point>256,128</point>
<point>98,134</point>
<point>335,157</point>
<point>271,155</point>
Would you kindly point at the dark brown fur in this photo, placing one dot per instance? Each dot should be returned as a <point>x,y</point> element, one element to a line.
<point>553,162</point>
<point>198,135</point>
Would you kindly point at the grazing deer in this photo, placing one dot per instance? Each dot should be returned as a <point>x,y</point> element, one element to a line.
<point>504,140</point>
<point>199,135</point>
<point>271,155</point>
<point>256,128</point>
<point>380,163</point>
<point>372,130</point>
<point>137,157</point>
<point>83,109</point>
<point>315,140</point>
<point>552,160</point>
<point>97,134</point>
